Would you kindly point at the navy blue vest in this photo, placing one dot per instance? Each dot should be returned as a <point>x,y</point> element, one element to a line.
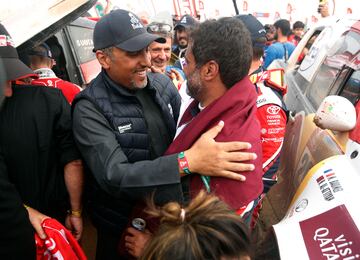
<point>124,113</point>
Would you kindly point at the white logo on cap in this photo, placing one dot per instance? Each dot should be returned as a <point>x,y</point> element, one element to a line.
<point>183,20</point>
<point>135,23</point>
<point>6,40</point>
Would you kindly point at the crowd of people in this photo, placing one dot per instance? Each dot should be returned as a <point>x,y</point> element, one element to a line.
<point>169,117</point>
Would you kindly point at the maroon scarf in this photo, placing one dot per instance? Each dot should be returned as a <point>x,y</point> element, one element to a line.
<point>237,108</point>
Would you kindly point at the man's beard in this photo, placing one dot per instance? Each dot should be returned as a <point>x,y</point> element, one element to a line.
<point>194,86</point>
<point>183,42</point>
<point>134,86</point>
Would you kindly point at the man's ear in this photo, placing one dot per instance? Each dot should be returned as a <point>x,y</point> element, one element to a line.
<point>52,63</point>
<point>210,70</point>
<point>103,59</point>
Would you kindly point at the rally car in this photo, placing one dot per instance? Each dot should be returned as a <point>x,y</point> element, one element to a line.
<point>320,161</point>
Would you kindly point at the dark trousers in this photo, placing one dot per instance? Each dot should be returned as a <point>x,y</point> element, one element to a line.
<point>107,245</point>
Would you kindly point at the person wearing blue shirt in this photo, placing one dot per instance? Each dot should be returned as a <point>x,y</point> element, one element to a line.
<point>281,49</point>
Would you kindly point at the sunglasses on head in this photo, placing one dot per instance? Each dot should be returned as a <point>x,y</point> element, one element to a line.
<point>159,27</point>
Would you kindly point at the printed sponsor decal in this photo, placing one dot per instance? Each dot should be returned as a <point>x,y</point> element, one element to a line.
<point>331,235</point>
<point>85,43</point>
<point>329,184</point>
<point>273,110</point>
<point>275,130</point>
<point>302,205</point>
<point>6,40</point>
<point>261,100</point>
<point>272,139</point>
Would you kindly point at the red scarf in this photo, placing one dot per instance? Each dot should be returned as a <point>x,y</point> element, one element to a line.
<point>237,108</point>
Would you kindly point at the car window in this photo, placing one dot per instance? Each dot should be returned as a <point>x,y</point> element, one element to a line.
<point>333,72</point>
<point>351,89</point>
<point>301,81</point>
<point>81,38</point>
<point>321,84</point>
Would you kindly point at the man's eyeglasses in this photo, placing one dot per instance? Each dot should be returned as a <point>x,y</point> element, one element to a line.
<point>159,27</point>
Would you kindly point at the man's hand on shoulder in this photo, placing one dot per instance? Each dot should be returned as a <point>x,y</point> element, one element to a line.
<point>219,159</point>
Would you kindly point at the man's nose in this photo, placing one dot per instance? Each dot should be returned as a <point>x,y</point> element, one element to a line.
<point>162,55</point>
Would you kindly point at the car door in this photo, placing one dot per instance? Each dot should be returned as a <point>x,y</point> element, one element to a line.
<point>329,69</point>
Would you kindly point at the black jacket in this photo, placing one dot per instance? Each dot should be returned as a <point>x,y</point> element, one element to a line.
<point>37,142</point>
<point>17,234</point>
<point>112,135</point>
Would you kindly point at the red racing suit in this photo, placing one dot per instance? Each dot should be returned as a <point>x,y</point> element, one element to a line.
<point>272,115</point>
<point>48,78</point>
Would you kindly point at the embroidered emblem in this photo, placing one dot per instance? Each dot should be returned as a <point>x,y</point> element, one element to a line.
<point>124,128</point>
<point>171,110</point>
<point>135,23</point>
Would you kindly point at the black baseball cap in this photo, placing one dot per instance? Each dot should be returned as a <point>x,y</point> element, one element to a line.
<point>124,30</point>
<point>186,21</point>
<point>254,26</point>
<point>44,51</point>
<point>14,68</point>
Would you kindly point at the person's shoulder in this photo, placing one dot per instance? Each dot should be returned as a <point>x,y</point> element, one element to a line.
<point>71,85</point>
<point>39,95</point>
<point>159,80</point>
<point>163,85</point>
<point>273,47</point>
<point>290,44</point>
<point>36,89</point>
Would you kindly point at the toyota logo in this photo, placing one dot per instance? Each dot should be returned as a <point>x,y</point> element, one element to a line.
<point>273,110</point>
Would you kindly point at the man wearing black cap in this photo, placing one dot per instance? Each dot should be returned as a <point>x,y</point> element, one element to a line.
<point>271,110</point>
<point>41,61</point>
<point>186,23</point>
<point>37,145</point>
<point>125,120</point>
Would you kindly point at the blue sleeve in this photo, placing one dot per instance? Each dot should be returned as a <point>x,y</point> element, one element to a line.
<point>270,55</point>
<point>291,48</point>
